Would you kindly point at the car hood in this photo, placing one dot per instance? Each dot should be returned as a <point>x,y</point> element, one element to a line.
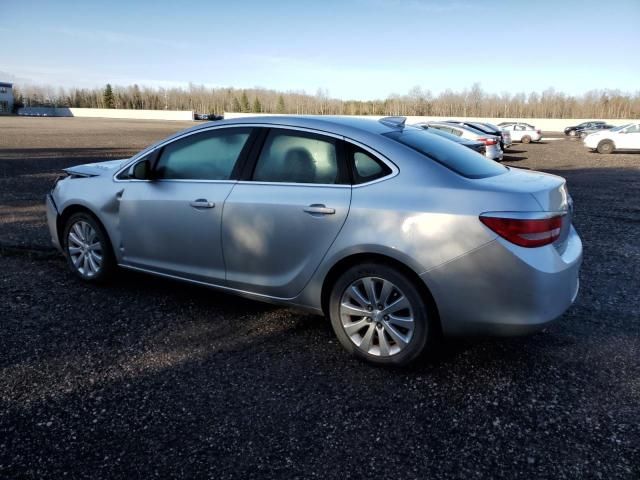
<point>95,169</point>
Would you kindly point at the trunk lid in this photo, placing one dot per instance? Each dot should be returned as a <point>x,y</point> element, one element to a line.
<point>549,191</point>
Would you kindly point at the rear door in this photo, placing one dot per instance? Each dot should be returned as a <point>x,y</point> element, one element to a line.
<point>171,223</point>
<point>280,221</point>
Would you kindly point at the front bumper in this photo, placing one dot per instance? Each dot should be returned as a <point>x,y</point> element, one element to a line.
<point>503,289</point>
<point>52,221</point>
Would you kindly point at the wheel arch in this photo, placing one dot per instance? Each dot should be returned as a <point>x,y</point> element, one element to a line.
<point>72,209</point>
<point>347,262</point>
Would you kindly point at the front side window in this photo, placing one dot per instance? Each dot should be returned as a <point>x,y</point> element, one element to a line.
<point>202,156</point>
<point>633,129</point>
<point>297,157</point>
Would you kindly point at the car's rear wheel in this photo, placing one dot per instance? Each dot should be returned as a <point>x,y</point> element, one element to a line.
<point>87,248</point>
<point>379,315</point>
<point>526,139</point>
<point>605,146</point>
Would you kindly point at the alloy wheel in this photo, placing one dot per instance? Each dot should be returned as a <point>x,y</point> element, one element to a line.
<point>85,249</point>
<point>377,316</point>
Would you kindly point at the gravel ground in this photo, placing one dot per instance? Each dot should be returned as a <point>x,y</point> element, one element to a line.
<point>148,378</point>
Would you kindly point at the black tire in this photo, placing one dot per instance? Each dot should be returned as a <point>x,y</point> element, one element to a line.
<point>572,133</point>
<point>423,321</point>
<point>526,139</point>
<point>108,263</point>
<point>606,146</point>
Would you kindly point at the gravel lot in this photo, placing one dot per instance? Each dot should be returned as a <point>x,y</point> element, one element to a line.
<point>148,378</point>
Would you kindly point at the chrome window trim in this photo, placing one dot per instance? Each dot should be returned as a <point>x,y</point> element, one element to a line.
<point>377,155</point>
<point>149,150</point>
<point>293,184</point>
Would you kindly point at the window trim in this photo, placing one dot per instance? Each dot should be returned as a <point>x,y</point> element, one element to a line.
<point>351,150</point>
<point>156,152</point>
<point>343,180</point>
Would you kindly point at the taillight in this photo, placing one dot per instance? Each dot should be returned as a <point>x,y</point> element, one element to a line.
<point>526,232</point>
<point>488,141</point>
<point>539,132</point>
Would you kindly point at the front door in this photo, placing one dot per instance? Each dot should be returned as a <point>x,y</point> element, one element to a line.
<point>171,223</point>
<point>629,138</point>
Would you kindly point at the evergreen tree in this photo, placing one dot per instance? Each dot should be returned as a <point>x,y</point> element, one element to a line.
<point>244,102</point>
<point>108,96</point>
<point>257,106</point>
<point>235,107</point>
<point>280,108</point>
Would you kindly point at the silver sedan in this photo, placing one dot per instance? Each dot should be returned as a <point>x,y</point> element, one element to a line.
<point>396,235</point>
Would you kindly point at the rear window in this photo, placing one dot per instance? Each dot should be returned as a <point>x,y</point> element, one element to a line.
<point>458,158</point>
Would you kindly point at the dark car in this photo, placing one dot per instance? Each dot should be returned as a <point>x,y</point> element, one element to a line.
<point>583,132</point>
<point>207,116</point>
<point>473,145</point>
<point>484,128</point>
<point>572,131</point>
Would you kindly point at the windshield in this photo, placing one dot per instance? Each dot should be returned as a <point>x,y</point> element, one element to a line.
<point>617,129</point>
<point>456,157</point>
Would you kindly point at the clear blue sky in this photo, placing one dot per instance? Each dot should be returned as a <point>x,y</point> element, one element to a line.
<point>355,49</point>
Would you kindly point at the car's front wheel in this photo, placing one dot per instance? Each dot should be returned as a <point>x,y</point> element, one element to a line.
<point>379,315</point>
<point>87,248</point>
<point>605,146</point>
<point>572,133</point>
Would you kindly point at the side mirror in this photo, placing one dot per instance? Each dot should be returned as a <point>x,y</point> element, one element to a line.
<point>141,170</point>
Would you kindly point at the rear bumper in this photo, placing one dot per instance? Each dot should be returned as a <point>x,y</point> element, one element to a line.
<point>503,289</point>
<point>494,153</point>
<point>52,221</point>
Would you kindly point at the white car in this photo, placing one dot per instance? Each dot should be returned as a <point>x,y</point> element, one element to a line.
<point>522,132</point>
<point>625,137</point>
<point>492,142</point>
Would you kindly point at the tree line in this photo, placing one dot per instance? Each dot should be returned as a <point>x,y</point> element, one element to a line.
<point>472,102</point>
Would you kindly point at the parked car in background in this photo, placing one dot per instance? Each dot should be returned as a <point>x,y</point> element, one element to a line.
<point>523,132</point>
<point>394,234</point>
<point>207,116</point>
<point>571,131</point>
<point>625,137</point>
<point>491,142</point>
<point>488,128</point>
<point>505,124</point>
<point>474,145</point>
<point>583,132</point>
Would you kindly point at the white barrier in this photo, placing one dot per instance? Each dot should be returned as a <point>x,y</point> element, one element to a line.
<point>107,113</point>
<point>546,124</point>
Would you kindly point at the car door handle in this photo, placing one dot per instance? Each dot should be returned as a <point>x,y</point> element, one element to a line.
<point>319,208</point>
<point>202,203</point>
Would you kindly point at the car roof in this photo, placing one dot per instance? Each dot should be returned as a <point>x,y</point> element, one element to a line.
<point>332,124</point>
<point>357,128</point>
<point>462,127</point>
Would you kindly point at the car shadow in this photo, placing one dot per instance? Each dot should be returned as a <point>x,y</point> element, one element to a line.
<point>513,158</point>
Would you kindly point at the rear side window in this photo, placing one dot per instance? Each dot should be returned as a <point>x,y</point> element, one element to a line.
<point>297,157</point>
<point>456,157</point>
<point>366,167</point>
<point>202,156</point>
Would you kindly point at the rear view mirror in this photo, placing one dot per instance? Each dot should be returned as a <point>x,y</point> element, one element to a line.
<point>140,171</point>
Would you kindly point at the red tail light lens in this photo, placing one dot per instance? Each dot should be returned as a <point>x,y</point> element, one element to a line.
<point>488,141</point>
<point>539,132</point>
<point>526,232</point>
